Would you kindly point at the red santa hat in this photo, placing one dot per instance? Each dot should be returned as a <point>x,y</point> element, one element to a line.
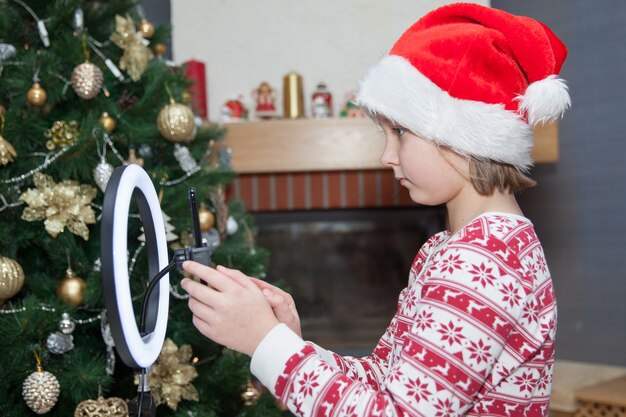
<point>471,78</point>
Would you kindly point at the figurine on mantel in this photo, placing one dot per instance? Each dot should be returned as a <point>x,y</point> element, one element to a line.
<point>350,108</point>
<point>234,110</point>
<point>322,102</point>
<point>265,98</point>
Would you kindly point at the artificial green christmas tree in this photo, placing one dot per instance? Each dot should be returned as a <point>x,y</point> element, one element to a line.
<point>82,91</point>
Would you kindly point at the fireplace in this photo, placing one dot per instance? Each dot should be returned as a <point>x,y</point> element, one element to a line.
<point>345,267</point>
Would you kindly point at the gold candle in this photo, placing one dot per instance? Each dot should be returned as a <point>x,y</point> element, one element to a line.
<point>293,96</point>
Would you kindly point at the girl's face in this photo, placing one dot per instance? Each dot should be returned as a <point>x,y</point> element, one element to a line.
<point>432,175</point>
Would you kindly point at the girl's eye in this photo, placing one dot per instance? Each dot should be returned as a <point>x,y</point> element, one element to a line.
<point>399,131</point>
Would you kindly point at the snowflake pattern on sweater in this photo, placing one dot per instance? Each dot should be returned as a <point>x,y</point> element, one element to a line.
<point>473,335</point>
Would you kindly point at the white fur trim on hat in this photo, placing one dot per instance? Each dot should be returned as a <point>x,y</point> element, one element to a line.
<point>396,90</point>
<point>545,100</point>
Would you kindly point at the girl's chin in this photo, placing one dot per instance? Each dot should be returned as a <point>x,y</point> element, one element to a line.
<point>419,197</point>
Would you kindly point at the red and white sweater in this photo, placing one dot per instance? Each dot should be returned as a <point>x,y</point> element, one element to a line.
<point>473,335</point>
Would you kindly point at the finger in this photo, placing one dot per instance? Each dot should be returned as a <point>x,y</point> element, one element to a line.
<point>202,326</point>
<point>262,284</point>
<point>275,300</point>
<point>201,310</point>
<point>236,275</point>
<point>209,275</point>
<point>293,310</point>
<point>206,295</point>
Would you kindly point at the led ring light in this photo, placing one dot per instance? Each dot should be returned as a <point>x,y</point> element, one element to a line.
<point>135,349</point>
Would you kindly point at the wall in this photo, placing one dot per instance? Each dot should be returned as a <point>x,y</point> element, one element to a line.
<point>579,206</point>
<point>246,42</point>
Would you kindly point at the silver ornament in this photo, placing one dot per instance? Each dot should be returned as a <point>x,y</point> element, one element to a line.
<point>7,51</point>
<point>225,157</point>
<point>102,173</point>
<point>170,236</point>
<point>107,337</point>
<point>87,80</point>
<point>231,226</point>
<point>145,151</point>
<point>66,325</point>
<point>79,19</point>
<point>41,391</point>
<point>59,343</point>
<point>184,158</point>
<point>212,238</point>
<point>97,265</point>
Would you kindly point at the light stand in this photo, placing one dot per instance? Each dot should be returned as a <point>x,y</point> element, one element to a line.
<point>139,347</point>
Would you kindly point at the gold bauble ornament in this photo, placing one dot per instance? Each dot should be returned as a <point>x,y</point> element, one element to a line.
<point>36,95</point>
<point>87,80</point>
<point>7,151</point>
<point>146,28</point>
<point>72,289</point>
<point>176,122</point>
<point>109,407</point>
<point>251,395</point>
<point>160,49</point>
<point>41,390</point>
<point>11,278</point>
<point>107,122</point>
<point>206,217</point>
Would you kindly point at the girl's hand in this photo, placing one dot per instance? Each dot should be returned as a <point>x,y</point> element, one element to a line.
<point>231,311</point>
<point>282,303</point>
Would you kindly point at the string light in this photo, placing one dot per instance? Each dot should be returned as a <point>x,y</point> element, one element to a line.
<point>50,158</point>
<point>110,65</point>
<point>109,142</point>
<point>6,205</point>
<point>41,26</point>
<point>52,310</point>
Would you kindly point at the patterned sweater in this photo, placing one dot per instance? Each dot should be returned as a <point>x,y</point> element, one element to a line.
<point>473,335</point>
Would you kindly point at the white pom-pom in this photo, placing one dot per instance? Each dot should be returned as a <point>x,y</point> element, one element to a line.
<point>545,100</point>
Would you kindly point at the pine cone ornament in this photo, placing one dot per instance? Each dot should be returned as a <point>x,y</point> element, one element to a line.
<point>127,100</point>
<point>87,80</point>
<point>41,390</point>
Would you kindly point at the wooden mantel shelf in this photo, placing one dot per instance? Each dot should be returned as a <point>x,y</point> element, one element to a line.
<point>304,145</point>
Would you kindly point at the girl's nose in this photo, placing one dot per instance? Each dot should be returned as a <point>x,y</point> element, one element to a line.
<point>389,156</point>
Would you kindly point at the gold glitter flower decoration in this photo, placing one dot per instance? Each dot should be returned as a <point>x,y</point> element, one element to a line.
<point>61,205</point>
<point>171,376</point>
<point>61,134</point>
<point>136,55</point>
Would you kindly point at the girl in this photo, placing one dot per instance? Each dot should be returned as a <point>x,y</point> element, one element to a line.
<point>474,330</point>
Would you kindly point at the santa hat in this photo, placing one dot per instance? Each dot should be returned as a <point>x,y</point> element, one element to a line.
<point>471,78</point>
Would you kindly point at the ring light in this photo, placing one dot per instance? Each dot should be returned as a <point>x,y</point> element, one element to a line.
<point>131,181</point>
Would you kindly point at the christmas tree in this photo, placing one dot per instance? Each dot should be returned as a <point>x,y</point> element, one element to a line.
<point>84,88</point>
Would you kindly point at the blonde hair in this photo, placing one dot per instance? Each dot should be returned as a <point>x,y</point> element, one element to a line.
<point>488,176</point>
<point>485,175</point>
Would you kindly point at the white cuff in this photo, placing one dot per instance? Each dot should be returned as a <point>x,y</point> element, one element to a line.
<point>271,355</point>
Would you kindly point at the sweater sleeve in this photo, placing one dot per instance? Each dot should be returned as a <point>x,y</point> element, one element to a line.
<point>369,369</point>
<point>451,329</point>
